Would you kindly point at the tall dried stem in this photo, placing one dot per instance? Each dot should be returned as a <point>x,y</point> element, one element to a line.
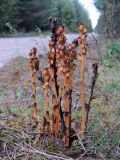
<point>68,72</point>
<point>83,46</point>
<point>53,79</point>
<point>59,57</point>
<point>34,66</point>
<point>46,87</point>
<point>94,79</point>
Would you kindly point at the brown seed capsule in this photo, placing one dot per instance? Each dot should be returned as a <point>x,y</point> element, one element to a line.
<point>46,84</point>
<point>83,37</point>
<point>61,53</point>
<point>79,40</point>
<point>81,27</point>
<point>45,72</point>
<point>82,46</point>
<point>68,75</point>
<point>61,69</point>
<point>53,50</point>
<point>44,87</point>
<point>58,56</point>
<point>70,47</point>
<point>84,51</point>
<point>34,50</point>
<point>73,45</point>
<point>85,30</point>
<point>60,29</point>
<point>60,39</point>
<point>62,47</point>
<point>51,62</point>
<point>51,43</point>
<point>64,70</point>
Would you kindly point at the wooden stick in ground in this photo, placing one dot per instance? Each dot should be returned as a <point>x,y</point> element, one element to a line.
<point>83,46</point>
<point>94,79</point>
<point>34,66</point>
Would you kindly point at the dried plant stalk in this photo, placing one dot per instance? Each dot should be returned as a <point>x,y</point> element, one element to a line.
<point>34,66</point>
<point>67,111</point>
<point>94,79</point>
<point>83,46</point>
<point>46,87</point>
<point>43,125</point>
<point>68,71</point>
<point>53,79</point>
<point>59,57</point>
<point>58,77</point>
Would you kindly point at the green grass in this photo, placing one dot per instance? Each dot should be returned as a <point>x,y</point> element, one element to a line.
<point>115,85</point>
<point>24,112</point>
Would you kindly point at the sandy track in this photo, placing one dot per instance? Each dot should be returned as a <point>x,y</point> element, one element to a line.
<point>12,47</point>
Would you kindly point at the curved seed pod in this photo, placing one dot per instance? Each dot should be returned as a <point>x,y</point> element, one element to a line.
<point>34,67</point>
<point>83,46</point>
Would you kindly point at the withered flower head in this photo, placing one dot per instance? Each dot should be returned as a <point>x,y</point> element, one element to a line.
<point>81,27</point>
<point>34,50</point>
<point>60,30</point>
<point>51,43</point>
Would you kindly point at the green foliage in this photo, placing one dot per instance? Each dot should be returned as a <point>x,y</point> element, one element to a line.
<point>69,16</point>
<point>101,4</point>
<point>109,20</point>
<point>34,13</point>
<point>112,56</point>
<point>108,61</point>
<point>7,11</point>
<point>82,15</point>
<point>114,49</point>
<point>118,111</point>
<point>26,15</point>
<point>115,85</point>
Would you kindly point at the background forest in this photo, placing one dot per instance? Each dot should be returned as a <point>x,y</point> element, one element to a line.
<point>109,20</point>
<point>27,15</point>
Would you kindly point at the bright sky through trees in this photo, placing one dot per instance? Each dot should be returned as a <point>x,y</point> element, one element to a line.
<point>93,12</point>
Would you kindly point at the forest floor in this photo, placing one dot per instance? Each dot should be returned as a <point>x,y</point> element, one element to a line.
<point>18,141</point>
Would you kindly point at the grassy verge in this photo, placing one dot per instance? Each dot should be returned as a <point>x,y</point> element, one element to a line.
<point>16,115</point>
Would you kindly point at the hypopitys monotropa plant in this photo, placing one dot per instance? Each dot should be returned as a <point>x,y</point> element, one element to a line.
<point>68,73</point>
<point>53,80</point>
<point>82,57</point>
<point>65,57</point>
<point>58,84</point>
<point>34,67</point>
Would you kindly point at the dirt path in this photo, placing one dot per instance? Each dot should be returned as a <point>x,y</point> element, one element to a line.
<point>13,47</point>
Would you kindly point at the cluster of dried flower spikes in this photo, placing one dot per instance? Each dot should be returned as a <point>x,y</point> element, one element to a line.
<point>58,83</point>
